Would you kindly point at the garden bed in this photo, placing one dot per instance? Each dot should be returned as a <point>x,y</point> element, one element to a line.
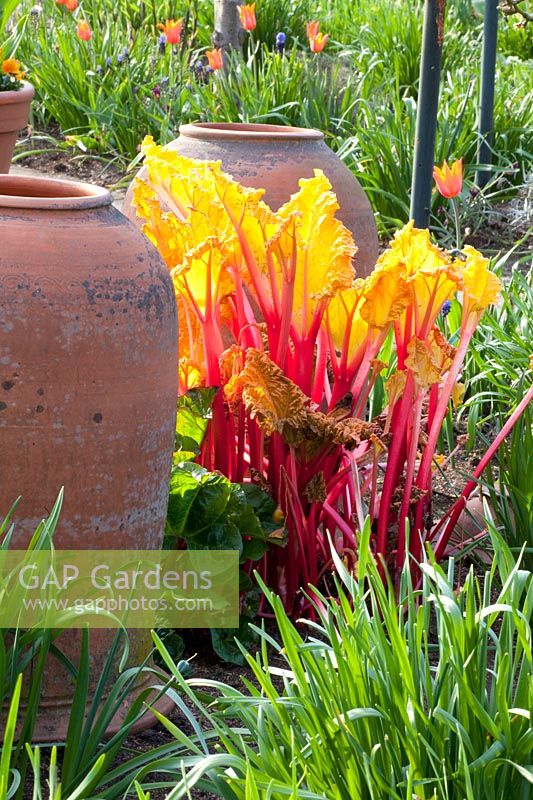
<point>329,431</point>
<point>63,161</point>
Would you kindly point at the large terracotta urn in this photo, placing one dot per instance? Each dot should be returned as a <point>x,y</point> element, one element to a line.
<point>274,157</point>
<point>88,386</point>
<point>14,112</point>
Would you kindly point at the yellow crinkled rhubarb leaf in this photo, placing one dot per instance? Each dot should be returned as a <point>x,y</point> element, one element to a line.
<point>481,286</point>
<point>412,250</point>
<point>207,217</point>
<point>395,386</point>
<point>268,395</point>
<point>386,296</point>
<point>191,375</point>
<point>282,246</point>
<point>428,271</point>
<point>344,320</point>
<point>419,361</point>
<point>441,351</point>
<point>439,460</point>
<point>321,245</point>
<point>202,278</point>
<point>144,199</point>
<point>189,332</point>
<point>169,234</point>
<point>192,359</point>
<point>186,192</point>
<point>173,176</point>
<point>431,288</point>
<point>252,221</point>
<point>458,393</point>
<point>231,364</point>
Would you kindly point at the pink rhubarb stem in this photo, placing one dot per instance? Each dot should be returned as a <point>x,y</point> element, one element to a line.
<point>450,518</point>
<point>394,467</point>
<point>424,473</point>
<point>287,301</point>
<point>343,526</point>
<point>320,368</point>
<point>373,347</point>
<point>248,333</point>
<point>432,405</point>
<point>409,475</point>
<point>363,398</point>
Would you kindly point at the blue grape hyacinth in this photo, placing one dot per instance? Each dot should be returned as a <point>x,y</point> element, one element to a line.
<point>281,40</point>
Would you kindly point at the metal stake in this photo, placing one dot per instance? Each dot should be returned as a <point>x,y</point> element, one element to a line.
<point>426,116</point>
<point>486,95</point>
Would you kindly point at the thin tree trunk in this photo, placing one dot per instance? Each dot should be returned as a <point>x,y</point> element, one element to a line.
<point>228,29</point>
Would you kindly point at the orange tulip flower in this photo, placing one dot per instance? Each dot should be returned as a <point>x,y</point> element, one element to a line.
<point>247,15</point>
<point>215,58</point>
<point>312,29</point>
<point>449,180</point>
<point>172,30</point>
<point>318,42</point>
<point>83,30</point>
<point>71,5</point>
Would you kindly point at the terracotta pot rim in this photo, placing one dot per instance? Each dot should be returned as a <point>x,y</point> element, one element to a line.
<point>22,95</point>
<point>247,131</point>
<point>19,191</point>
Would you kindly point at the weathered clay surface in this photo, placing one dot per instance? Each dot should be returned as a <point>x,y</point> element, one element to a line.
<point>274,158</point>
<point>88,382</point>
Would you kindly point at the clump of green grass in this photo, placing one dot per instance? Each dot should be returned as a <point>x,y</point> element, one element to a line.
<point>509,485</point>
<point>426,695</point>
<point>497,366</point>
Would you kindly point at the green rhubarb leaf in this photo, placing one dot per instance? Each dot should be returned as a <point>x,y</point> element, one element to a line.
<point>224,643</point>
<point>194,414</point>
<point>197,500</point>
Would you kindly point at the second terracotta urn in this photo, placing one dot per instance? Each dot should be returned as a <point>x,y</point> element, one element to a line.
<point>274,158</point>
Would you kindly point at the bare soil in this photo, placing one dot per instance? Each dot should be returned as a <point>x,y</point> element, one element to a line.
<point>66,161</point>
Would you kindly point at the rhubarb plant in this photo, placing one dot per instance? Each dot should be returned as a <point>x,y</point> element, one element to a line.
<point>270,310</point>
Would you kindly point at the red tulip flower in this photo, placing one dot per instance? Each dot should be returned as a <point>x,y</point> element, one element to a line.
<point>247,15</point>
<point>83,30</point>
<point>312,29</point>
<point>172,30</point>
<point>318,42</point>
<point>71,5</point>
<point>449,180</point>
<point>215,58</point>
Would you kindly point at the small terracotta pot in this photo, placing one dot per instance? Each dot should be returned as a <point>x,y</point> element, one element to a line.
<point>472,520</point>
<point>14,112</point>
<point>274,157</point>
<point>88,387</point>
